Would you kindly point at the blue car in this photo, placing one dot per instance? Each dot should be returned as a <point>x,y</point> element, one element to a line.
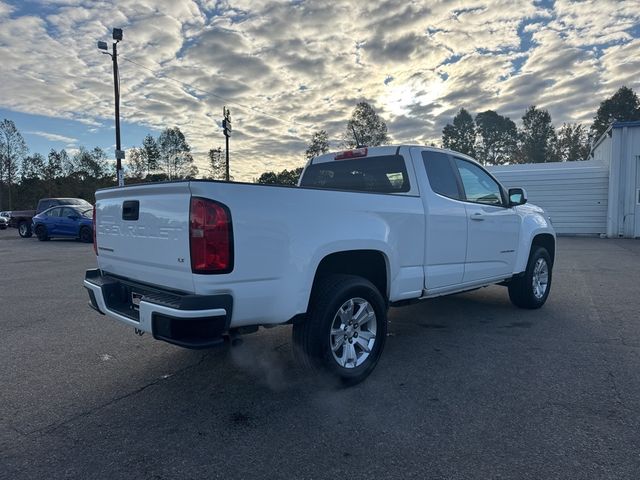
<point>70,221</point>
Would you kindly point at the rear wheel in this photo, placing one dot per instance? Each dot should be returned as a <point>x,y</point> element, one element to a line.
<point>86,235</point>
<point>41,233</point>
<point>532,289</point>
<point>24,229</point>
<point>345,330</point>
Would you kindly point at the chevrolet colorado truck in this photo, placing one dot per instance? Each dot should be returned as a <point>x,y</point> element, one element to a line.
<point>194,261</point>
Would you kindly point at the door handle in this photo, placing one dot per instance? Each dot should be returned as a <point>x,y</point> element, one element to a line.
<point>477,216</point>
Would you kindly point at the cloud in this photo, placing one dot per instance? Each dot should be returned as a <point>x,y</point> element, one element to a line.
<point>54,137</point>
<point>308,63</point>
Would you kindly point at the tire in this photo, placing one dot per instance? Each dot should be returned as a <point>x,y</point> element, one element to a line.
<point>529,291</point>
<point>336,300</point>
<point>86,235</point>
<point>24,229</point>
<point>41,233</point>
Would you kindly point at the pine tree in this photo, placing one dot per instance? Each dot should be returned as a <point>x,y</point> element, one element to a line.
<point>150,154</point>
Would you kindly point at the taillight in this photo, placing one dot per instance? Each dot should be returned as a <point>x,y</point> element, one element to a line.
<point>348,154</point>
<point>95,226</point>
<point>210,237</point>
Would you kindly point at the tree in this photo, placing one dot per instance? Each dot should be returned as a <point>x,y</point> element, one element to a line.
<point>55,160</point>
<point>217,164</point>
<point>572,143</point>
<point>319,144</point>
<point>622,106</point>
<point>537,137</point>
<point>33,167</point>
<point>53,168</point>
<point>12,150</point>
<point>285,177</point>
<point>150,154</point>
<point>175,155</point>
<point>137,165</point>
<point>370,129</point>
<point>498,138</point>
<point>68,165</point>
<point>90,164</point>
<point>461,136</point>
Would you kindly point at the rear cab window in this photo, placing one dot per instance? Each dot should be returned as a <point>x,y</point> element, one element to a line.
<point>382,174</point>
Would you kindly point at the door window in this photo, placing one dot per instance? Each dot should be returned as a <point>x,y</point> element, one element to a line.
<point>478,185</point>
<point>440,174</point>
<point>66,212</point>
<point>54,212</point>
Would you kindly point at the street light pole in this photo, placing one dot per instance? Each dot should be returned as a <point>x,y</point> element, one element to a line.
<point>226,126</point>
<point>117,36</point>
<point>116,92</point>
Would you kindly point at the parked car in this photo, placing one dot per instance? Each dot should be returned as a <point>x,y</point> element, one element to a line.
<point>70,221</point>
<point>366,229</point>
<point>23,219</point>
<point>4,222</point>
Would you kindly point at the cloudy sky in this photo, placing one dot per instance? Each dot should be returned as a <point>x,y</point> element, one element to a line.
<point>305,64</point>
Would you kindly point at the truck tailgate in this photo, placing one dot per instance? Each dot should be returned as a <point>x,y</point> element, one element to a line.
<point>142,233</point>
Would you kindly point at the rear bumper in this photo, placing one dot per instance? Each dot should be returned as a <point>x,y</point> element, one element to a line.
<point>192,321</point>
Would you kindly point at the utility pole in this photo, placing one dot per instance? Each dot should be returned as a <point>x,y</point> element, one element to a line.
<point>117,36</point>
<point>226,126</point>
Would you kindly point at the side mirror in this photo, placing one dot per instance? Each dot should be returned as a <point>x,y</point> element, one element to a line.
<point>517,196</point>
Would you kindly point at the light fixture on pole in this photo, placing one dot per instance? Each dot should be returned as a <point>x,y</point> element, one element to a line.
<point>104,48</point>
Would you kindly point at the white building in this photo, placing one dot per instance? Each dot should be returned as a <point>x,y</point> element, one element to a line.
<point>599,196</point>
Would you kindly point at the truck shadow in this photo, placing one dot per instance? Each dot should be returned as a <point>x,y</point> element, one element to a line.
<point>435,352</point>
<point>264,361</point>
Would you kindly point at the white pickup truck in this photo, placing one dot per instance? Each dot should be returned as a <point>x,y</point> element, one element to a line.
<point>192,262</point>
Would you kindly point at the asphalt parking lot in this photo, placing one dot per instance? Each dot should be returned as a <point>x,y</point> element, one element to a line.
<point>468,386</point>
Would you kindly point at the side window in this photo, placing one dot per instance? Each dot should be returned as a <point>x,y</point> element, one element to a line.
<point>440,174</point>
<point>479,187</point>
<point>67,212</point>
<point>54,212</point>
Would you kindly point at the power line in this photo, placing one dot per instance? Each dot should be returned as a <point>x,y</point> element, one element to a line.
<point>226,100</point>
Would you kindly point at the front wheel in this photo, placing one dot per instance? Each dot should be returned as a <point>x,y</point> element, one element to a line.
<point>41,233</point>
<point>24,230</point>
<point>532,289</point>
<point>345,330</point>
